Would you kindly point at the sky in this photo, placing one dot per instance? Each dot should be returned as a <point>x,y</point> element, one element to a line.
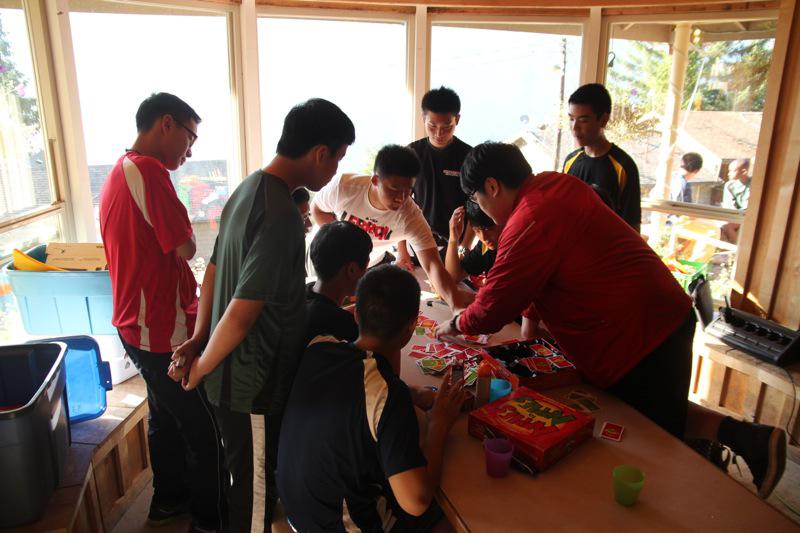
<point>501,75</point>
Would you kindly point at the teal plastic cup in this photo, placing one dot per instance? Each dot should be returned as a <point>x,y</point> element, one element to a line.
<point>499,388</point>
<point>628,483</point>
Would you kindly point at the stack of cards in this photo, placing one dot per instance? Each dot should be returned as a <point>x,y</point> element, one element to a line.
<point>426,326</point>
<point>435,357</point>
<point>432,365</point>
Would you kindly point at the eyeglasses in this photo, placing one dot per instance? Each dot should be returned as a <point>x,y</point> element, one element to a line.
<point>192,135</point>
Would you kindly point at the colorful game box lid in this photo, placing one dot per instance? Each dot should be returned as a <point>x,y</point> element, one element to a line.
<point>542,429</point>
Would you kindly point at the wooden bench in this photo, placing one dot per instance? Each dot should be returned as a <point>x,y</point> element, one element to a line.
<point>739,385</point>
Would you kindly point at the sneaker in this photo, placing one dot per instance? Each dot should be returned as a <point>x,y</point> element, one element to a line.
<point>762,447</point>
<point>161,514</point>
<point>719,455</point>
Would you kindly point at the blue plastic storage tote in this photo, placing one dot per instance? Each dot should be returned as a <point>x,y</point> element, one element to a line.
<point>34,429</point>
<point>88,377</point>
<point>62,303</point>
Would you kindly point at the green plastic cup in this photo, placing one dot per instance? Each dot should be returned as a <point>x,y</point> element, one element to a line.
<point>628,483</point>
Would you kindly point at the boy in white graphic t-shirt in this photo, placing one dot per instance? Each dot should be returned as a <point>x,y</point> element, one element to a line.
<point>381,205</point>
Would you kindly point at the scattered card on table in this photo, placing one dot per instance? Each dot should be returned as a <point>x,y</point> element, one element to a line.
<point>418,355</point>
<point>432,364</point>
<point>560,362</point>
<point>419,348</point>
<point>612,431</point>
<point>419,331</point>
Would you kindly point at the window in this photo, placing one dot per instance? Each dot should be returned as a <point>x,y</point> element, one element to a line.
<point>697,181</point>
<point>25,184</point>
<point>117,69</point>
<point>358,65</point>
<point>513,84</point>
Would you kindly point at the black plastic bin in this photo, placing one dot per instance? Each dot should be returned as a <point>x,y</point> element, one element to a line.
<point>34,429</point>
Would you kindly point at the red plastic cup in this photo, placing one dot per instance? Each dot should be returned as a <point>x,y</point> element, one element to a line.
<point>498,456</point>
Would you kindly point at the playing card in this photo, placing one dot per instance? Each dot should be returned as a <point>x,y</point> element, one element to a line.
<point>470,376</point>
<point>418,355</point>
<point>432,363</point>
<point>560,362</point>
<point>419,348</point>
<point>612,431</point>
<point>419,331</point>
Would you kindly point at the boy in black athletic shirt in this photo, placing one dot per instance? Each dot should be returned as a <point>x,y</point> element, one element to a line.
<point>340,253</point>
<point>479,260</point>
<point>437,189</point>
<point>599,162</point>
<point>349,452</point>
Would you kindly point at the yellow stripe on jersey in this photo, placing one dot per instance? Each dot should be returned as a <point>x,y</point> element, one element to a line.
<point>622,176</point>
<point>570,161</point>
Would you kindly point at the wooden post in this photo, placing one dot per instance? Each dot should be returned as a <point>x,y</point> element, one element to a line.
<point>670,119</point>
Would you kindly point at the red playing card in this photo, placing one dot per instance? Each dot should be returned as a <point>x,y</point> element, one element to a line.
<point>443,353</point>
<point>560,363</point>
<point>419,347</point>
<point>418,355</point>
<point>612,431</point>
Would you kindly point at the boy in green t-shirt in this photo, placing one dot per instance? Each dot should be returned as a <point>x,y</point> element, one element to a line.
<point>250,319</point>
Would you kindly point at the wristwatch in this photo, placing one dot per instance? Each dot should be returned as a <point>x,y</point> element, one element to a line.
<point>454,322</point>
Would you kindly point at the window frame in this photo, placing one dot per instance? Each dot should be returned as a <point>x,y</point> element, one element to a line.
<point>48,108</point>
<point>664,205</point>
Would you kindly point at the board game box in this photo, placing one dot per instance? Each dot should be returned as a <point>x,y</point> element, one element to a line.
<point>543,430</point>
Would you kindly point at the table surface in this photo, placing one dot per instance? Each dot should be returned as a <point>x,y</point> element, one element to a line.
<point>682,490</point>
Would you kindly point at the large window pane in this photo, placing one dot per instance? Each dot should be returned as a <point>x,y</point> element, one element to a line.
<point>691,245</point>
<point>513,85</point>
<point>118,67</point>
<point>359,66</point>
<point>24,182</point>
<point>722,101</point>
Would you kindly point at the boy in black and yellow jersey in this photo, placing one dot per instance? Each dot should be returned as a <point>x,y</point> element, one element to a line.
<point>599,162</point>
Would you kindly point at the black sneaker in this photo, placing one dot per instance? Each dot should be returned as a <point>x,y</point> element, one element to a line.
<point>719,455</point>
<point>762,447</point>
<point>161,514</point>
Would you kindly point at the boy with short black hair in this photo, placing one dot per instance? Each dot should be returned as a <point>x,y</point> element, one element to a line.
<point>680,188</point>
<point>437,191</point>
<point>598,161</point>
<point>607,298</point>
<point>340,254</point>
<point>350,452</point>
<point>148,240</point>
<point>479,260</point>
<point>381,205</point>
<point>250,326</point>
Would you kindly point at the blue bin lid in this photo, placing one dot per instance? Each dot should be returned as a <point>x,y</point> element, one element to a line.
<point>88,377</point>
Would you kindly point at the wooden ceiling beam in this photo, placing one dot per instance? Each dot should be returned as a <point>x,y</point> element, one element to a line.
<point>609,6</point>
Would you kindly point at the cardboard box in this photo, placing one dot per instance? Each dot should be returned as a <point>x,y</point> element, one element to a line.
<point>77,256</point>
<point>542,430</point>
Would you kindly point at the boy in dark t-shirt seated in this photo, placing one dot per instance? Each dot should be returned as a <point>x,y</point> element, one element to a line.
<point>349,454</point>
<point>479,260</point>
<point>340,253</point>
